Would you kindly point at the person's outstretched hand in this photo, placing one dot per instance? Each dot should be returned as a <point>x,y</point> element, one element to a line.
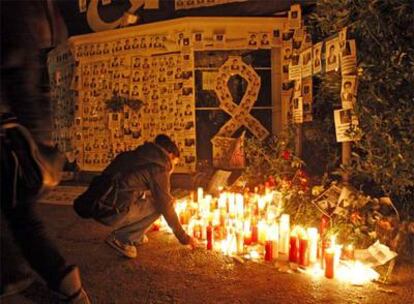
<point>193,243</point>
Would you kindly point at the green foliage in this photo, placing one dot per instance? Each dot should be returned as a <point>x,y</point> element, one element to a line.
<point>272,163</point>
<point>268,158</point>
<point>384,33</point>
<point>116,104</point>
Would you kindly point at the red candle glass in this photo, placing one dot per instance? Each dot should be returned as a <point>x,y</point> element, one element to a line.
<point>255,235</point>
<point>268,250</point>
<point>210,233</point>
<point>247,238</point>
<point>329,263</point>
<point>303,252</point>
<point>293,249</point>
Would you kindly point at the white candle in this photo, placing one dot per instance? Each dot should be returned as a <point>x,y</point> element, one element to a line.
<point>216,217</point>
<point>239,206</point>
<point>222,201</point>
<point>313,244</point>
<point>200,194</point>
<point>284,233</point>
<point>273,236</point>
<point>261,203</point>
<point>262,231</point>
<point>232,203</point>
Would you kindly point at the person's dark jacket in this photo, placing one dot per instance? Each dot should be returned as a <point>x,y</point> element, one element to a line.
<point>147,168</point>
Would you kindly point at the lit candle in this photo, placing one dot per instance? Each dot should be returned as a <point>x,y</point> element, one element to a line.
<point>240,242</point>
<point>232,204</point>
<point>239,206</point>
<point>247,233</point>
<point>207,203</point>
<point>303,251</point>
<point>268,250</point>
<point>210,237</point>
<point>197,233</point>
<point>262,230</point>
<point>254,234</point>
<point>271,214</point>
<point>313,244</point>
<point>190,227</point>
<point>274,237</point>
<point>293,248</point>
<point>284,231</point>
<point>200,194</point>
<point>330,263</point>
<point>232,242</point>
<point>216,217</point>
<point>261,203</point>
<point>348,252</point>
<point>223,217</point>
<point>203,226</point>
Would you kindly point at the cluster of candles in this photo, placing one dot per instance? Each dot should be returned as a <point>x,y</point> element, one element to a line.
<point>250,223</point>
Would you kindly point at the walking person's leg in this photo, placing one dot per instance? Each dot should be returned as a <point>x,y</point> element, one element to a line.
<point>18,195</point>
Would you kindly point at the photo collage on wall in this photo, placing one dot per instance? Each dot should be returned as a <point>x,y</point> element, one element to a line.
<point>61,69</point>
<point>125,92</point>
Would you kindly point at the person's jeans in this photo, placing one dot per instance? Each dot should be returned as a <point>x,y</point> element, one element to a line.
<point>131,226</point>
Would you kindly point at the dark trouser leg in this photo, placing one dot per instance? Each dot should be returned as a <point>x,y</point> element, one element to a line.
<point>27,229</point>
<point>42,255</point>
<point>139,219</point>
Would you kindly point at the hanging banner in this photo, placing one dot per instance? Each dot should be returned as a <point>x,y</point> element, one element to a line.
<point>191,4</point>
<point>86,16</point>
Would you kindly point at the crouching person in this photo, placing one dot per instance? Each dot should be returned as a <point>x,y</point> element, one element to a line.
<point>132,193</point>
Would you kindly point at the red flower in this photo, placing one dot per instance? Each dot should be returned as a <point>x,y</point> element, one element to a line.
<point>271,181</point>
<point>355,217</point>
<point>286,154</point>
<point>302,173</point>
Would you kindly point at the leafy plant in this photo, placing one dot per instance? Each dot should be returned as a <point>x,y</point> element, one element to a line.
<point>382,161</point>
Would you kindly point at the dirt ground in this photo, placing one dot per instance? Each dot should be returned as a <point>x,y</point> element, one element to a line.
<point>166,272</point>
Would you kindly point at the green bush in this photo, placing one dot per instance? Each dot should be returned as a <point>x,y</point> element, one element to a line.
<point>383,160</point>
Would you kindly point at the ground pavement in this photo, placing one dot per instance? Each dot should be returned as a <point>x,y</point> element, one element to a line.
<point>166,272</point>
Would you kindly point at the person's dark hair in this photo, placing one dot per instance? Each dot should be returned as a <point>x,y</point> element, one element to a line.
<point>166,143</point>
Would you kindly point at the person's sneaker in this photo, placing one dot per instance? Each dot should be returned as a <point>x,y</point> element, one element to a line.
<point>70,289</point>
<point>126,250</point>
<point>143,240</point>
